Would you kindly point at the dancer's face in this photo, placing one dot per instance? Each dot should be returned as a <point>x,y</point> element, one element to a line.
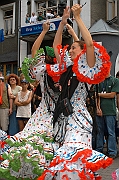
<point>75,50</point>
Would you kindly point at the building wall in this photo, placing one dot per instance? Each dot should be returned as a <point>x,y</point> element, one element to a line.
<point>110,42</point>
<point>10,42</point>
<point>118,12</point>
<point>8,45</point>
<point>98,10</point>
<point>86,13</point>
<point>23,45</point>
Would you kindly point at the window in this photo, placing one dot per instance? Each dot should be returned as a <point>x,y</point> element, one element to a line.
<point>9,18</point>
<point>8,68</point>
<point>61,6</point>
<point>111,9</point>
<point>8,21</point>
<point>62,1</point>
<point>1,68</point>
<point>42,7</point>
<point>52,3</point>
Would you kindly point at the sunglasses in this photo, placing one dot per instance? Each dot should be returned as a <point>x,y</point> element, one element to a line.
<point>13,79</point>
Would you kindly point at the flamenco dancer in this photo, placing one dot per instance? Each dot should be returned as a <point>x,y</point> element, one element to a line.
<point>75,159</point>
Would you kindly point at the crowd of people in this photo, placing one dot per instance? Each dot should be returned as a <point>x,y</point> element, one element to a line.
<point>19,101</point>
<point>55,142</point>
<point>36,18</point>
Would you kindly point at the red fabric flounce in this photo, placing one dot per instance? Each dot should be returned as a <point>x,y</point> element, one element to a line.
<point>88,165</point>
<point>62,66</point>
<point>99,77</point>
<point>2,144</point>
<point>56,75</point>
<point>104,70</point>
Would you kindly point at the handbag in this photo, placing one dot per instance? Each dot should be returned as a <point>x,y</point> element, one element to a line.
<point>66,107</point>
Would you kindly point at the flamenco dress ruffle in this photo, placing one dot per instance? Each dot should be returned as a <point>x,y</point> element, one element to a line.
<point>29,154</point>
<point>31,150</point>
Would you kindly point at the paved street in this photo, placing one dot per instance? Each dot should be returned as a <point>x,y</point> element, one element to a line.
<point>106,173</point>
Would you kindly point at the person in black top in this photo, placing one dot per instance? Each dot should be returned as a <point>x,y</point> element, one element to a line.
<point>37,96</point>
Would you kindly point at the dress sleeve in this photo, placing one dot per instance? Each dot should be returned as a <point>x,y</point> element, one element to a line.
<point>97,73</point>
<point>56,70</point>
<point>33,68</point>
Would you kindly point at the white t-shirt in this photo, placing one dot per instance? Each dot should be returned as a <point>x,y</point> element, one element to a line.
<point>33,19</point>
<point>24,111</point>
<point>49,15</point>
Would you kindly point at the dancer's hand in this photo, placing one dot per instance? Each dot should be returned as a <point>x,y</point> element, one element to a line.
<point>66,15</point>
<point>69,29</point>
<point>46,26</point>
<point>72,32</point>
<point>76,9</point>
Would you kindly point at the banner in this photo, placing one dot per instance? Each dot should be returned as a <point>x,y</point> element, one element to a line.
<point>37,28</point>
<point>1,35</point>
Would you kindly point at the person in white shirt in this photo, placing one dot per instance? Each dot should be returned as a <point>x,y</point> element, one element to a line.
<point>49,14</point>
<point>33,18</point>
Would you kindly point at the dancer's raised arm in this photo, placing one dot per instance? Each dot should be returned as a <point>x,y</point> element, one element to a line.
<point>58,36</point>
<point>72,32</point>
<point>76,9</point>
<point>39,40</point>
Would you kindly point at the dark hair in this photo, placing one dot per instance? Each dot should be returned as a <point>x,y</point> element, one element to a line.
<point>81,44</point>
<point>49,60</point>
<point>117,74</point>
<point>49,55</point>
<point>13,76</point>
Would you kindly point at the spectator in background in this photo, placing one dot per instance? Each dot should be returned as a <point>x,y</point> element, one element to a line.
<point>40,16</point>
<point>30,86</point>
<point>49,14</point>
<point>117,76</point>
<point>27,20</point>
<point>21,77</point>
<point>6,106</point>
<point>55,14</point>
<point>33,18</point>
<point>13,81</point>
<point>37,96</point>
<point>23,102</point>
<point>117,99</point>
<point>106,115</point>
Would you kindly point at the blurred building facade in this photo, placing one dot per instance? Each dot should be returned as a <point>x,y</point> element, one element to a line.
<point>101,18</point>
